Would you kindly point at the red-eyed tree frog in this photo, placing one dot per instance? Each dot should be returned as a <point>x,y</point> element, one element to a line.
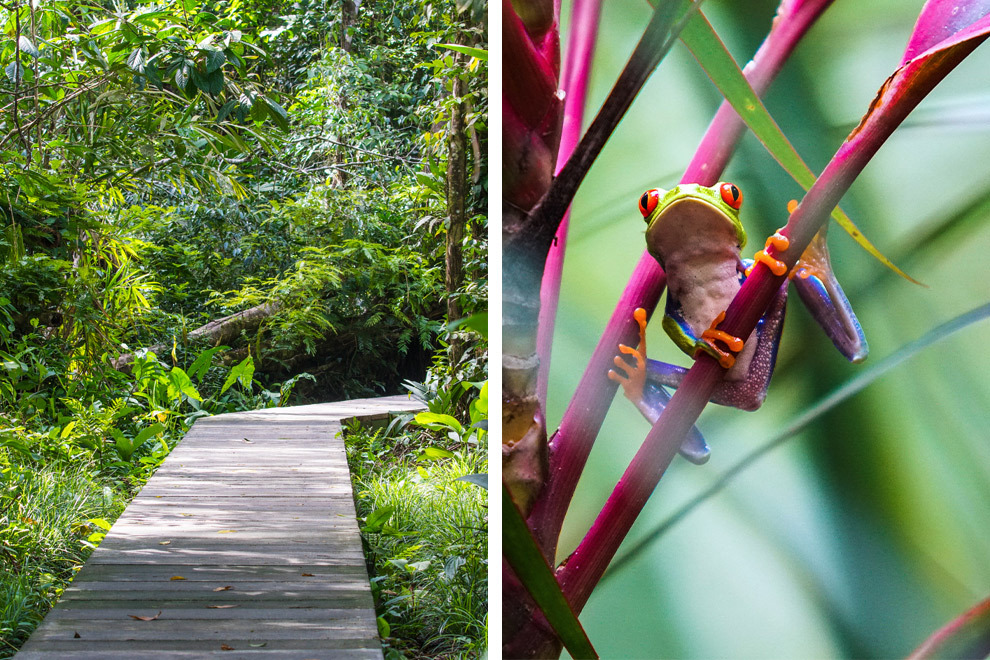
<point>695,234</point>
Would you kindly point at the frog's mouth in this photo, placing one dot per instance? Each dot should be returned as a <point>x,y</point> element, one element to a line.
<point>692,221</point>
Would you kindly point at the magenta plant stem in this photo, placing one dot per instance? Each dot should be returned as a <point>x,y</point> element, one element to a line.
<point>583,31</point>
<point>579,575</point>
<point>572,443</point>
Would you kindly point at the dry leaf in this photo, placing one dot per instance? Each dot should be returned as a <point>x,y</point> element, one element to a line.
<point>76,636</point>
<point>227,531</point>
<point>220,607</point>
<point>185,514</point>
<point>227,588</point>
<point>146,618</point>
<point>224,647</point>
<point>164,542</point>
<point>177,577</point>
<point>307,575</point>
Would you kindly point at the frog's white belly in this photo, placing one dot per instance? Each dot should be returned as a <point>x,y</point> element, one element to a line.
<point>704,281</point>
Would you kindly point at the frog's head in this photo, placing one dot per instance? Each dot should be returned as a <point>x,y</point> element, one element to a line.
<point>699,210</point>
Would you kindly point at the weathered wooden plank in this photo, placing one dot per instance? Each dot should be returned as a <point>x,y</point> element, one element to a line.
<point>254,511</point>
<point>162,572</point>
<point>330,649</point>
<point>204,630</point>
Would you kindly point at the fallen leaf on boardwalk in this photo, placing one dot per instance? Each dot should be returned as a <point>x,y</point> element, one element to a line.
<point>185,514</point>
<point>227,531</point>
<point>164,542</point>
<point>76,636</point>
<point>246,440</point>
<point>224,647</point>
<point>307,575</point>
<point>227,588</point>
<point>220,607</point>
<point>147,618</point>
<point>177,577</point>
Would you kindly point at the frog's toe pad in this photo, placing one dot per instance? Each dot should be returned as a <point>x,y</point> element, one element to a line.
<point>694,448</point>
<point>632,377</point>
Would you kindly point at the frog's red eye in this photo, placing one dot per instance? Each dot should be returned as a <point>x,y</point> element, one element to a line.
<point>648,202</point>
<point>731,195</point>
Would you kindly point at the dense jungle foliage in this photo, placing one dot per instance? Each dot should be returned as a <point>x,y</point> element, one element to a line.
<point>208,207</point>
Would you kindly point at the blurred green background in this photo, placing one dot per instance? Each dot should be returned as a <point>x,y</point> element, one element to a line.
<point>870,530</point>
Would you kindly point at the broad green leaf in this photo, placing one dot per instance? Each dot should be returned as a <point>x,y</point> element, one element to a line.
<point>179,381</point>
<point>467,50</point>
<point>522,553</point>
<point>14,72</point>
<point>203,362</point>
<point>243,371</point>
<point>433,453</point>
<point>451,565</point>
<point>100,522</point>
<point>706,46</point>
<point>377,518</point>
<point>136,60</point>
<point>182,76</point>
<point>148,433</point>
<point>477,322</point>
<point>225,110</point>
<point>214,60</point>
<point>433,419</point>
<point>26,46</point>
<point>476,479</point>
<point>277,113</point>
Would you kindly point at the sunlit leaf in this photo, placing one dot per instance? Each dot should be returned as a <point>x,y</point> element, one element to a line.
<point>467,50</point>
<point>377,519</point>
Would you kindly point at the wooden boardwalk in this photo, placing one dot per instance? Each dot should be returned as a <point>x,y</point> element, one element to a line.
<point>244,543</point>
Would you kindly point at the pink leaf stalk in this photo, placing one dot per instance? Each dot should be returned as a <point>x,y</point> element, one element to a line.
<point>574,82</point>
<point>967,636</point>
<point>899,95</point>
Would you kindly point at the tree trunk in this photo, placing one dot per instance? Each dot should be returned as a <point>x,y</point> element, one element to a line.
<point>348,18</point>
<point>456,216</point>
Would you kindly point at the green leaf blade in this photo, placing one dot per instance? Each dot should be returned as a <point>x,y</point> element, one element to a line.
<point>525,558</point>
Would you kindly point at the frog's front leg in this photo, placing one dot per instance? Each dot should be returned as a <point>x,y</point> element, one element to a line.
<point>745,385</point>
<point>643,383</point>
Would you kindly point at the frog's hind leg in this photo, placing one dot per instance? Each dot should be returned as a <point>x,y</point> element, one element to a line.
<point>750,392</point>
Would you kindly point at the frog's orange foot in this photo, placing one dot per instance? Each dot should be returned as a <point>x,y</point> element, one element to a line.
<point>804,272</point>
<point>726,357</point>
<point>632,377</point>
<point>780,243</point>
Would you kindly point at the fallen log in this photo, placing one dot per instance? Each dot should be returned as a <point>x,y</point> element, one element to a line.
<point>219,331</point>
